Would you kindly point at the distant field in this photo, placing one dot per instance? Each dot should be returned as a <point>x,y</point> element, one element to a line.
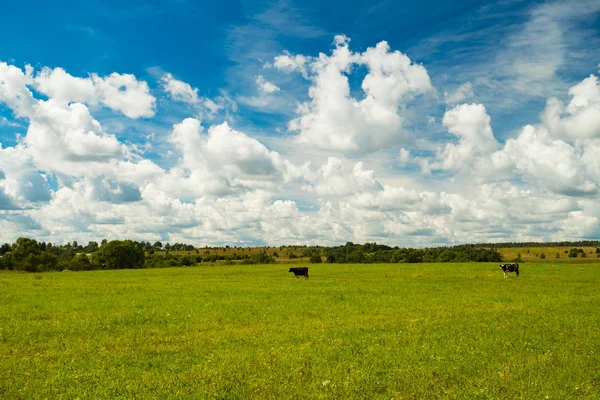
<point>369,331</point>
<point>528,254</point>
<point>550,253</point>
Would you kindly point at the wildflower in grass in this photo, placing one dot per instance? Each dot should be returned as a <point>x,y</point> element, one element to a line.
<point>325,382</point>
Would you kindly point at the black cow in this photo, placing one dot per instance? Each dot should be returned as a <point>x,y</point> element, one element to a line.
<point>510,268</point>
<point>300,271</point>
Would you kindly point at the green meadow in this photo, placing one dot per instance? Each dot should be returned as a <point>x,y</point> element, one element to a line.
<point>366,331</point>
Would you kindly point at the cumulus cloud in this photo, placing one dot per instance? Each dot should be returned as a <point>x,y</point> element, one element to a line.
<point>179,90</point>
<point>13,89</point>
<point>21,183</point>
<point>552,162</point>
<point>471,124</point>
<point>335,120</point>
<point>224,161</point>
<point>119,92</point>
<point>580,119</point>
<point>69,178</point>
<point>289,63</point>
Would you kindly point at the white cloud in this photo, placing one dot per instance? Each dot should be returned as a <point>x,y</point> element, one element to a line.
<point>583,112</point>
<point>119,92</point>
<point>554,163</point>
<point>69,178</point>
<point>61,137</point>
<point>14,91</point>
<point>463,92</point>
<point>333,180</point>
<point>20,181</point>
<point>179,90</point>
<point>265,86</point>
<point>224,161</point>
<point>288,63</point>
<point>334,120</point>
<point>124,93</point>
<point>471,123</point>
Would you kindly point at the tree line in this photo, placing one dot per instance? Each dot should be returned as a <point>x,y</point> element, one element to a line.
<point>378,253</point>
<point>31,256</point>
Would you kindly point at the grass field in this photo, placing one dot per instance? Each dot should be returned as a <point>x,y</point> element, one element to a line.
<point>402,331</point>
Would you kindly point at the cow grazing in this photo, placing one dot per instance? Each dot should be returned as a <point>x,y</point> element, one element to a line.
<point>506,268</point>
<point>300,271</point>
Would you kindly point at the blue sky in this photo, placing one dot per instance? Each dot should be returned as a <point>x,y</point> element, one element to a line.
<point>220,123</point>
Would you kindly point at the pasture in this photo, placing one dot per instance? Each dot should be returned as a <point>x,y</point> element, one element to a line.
<point>366,331</point>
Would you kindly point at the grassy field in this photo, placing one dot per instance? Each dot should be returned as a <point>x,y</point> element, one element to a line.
<point>534,254</point>
<point>420,331</point>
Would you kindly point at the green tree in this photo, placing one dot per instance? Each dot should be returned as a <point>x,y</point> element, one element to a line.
<point>316,259</point>
<point>5,248</point>
<point>118,254</point>
<point>573,253</point>
<point>23,247</point>
<point>91,247</point>
<point>80,262</point>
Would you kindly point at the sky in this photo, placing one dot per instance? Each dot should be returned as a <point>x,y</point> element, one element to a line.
<point>414,123</point>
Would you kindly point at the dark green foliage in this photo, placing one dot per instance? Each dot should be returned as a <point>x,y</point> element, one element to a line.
<point>80,262</point>
<point>262,258</point>
<point>91,247</point>
<point>316,259</point>
<point>543,256</point>
<point>5,248</point>
<point>574,252</point>
<point>355,253</point>
<point>171,260</point>
<point>118,254</point>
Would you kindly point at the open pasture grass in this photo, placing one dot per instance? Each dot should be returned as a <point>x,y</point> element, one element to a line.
<point>533,254</point>
<point>401,331</point>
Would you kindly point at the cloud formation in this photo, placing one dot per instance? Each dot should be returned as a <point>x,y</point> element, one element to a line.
<point>351,166</point>
<point>333,119</point>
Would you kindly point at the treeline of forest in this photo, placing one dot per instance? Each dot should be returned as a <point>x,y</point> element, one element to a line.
<point>29,255</point>
<point>378,253</point>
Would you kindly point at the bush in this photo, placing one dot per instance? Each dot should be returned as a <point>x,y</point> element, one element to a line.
<point>573,253</point>
<point>80,262</point>
<point>316,259</point>
<point>118,254</point>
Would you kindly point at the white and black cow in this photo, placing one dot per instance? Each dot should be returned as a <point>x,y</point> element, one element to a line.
<point>510,268</point>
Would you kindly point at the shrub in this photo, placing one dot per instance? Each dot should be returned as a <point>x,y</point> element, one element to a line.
<point>573,253</point>
<point>316,259</point>
<point>118,254</point>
